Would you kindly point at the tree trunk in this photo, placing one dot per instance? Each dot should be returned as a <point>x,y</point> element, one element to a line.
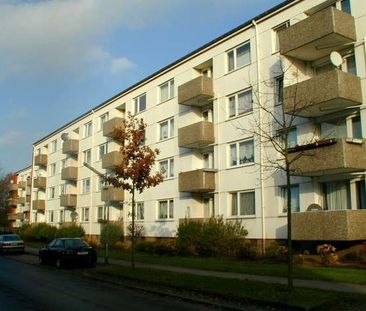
<point>133,230</point>
<point>289,230</point>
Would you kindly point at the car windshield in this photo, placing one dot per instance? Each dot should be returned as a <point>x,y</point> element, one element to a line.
<point>75,243</point>
<point>12,237</point>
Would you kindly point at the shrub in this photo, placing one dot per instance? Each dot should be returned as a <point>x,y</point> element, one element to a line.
<point>246,251</point>
<point>212,238</point>
<point>40,232</point>
<point>327,254</point>
<point>23,231</point>
<point>145,246</point>
<point>73,231</point>
<point>111,234</point>
<point>165,247</point>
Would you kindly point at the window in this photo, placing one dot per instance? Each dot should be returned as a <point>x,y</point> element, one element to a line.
<point>140,103</point>
<point>336,195</point>
<point>242,153</point>
<point>276,30</point>
<point>360,194</point>
<point>54,146</point>
<point>50,216</point>
<point>166,209</point>
<point>208,160</point>
<point>86,185</point>
<point>356,127</point>
<point>52,169</point>
<point>291,137</point>
<point>166,129</point>
<point>100,184</point>
<point>166,167</point>
<point>139,211</point>
<point>242,203</point>
<point>166,91</point>
<point>101,212</point>
<point>102,150</point>
<point>346,6</point>
<point>279,90</point>
<point>102,119</point>
<point>88,129</point>
<point>62,189</point>
<point>63,164</point>
<point>87,156</point>
<point>62,216</point>
<point>349,64</point>
<point>51,192</point>
<point>239,56</point>
<point>295,198</point>
<point>85,214</point>
<point>240,103</point>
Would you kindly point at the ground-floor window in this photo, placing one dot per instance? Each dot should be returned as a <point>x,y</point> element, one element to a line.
<point>295,198</point>
<point>336,195</point>
<point>140,211</point>
<point>85,214</point>
<point>242,203</point>
<point>166,209</point>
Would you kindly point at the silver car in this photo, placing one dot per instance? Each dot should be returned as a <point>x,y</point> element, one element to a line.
<point>11,243</point>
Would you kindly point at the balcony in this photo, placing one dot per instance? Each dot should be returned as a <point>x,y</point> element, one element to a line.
<point>326,93</point>
<point>111,125</point>
<point>318,35</point>
<point>13,187</point>
<point>39,205</point>
<point>197,181</point>
<point>111,160</point>
<point>68,200</point>
<point>331,156</point>
<point>40,160</point>
<point>197,135</point>
<point>340,225</point>
<point>40,183</point>
<point>196,92</point>
<point>69,173</point>
<point>112,194</point>
<point>22,185</point>
<point>12,217</point>
<point>70,146</point>
<point>13,202</point>
<point>22,200</point>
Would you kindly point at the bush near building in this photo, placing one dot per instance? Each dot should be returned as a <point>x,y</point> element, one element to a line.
<point>111,234</point>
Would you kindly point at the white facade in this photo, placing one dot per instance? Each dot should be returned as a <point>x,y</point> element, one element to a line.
<point>235,63</point>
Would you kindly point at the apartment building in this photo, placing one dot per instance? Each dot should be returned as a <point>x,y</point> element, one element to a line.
<point>203,112</point>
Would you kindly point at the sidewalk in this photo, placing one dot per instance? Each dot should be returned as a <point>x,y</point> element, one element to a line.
<point>315,284</point>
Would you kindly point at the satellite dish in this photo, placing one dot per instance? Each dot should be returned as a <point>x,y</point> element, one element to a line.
<point>64,136</point>
<point>336,58</point>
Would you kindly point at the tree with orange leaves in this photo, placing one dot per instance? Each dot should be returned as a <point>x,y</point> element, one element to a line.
<point>135,171</point>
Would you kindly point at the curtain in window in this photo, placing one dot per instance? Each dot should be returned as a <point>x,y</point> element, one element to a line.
<point>171,171</point>
<point>247,203</point>
<point>336,195</point>
<point>164,168</point>
<point>295,198</point>
<point>171,209</point>
<point>164,130</point>
<point>243,55</point>
<point>230,60</point>
<point>232,106</point>
<point>164,92</point>
<point>245,102</point>
<point>234,204</point>
<point>171,88</point>
<point>163,210</point>
<point>246,152</point>
<point>233,159</point>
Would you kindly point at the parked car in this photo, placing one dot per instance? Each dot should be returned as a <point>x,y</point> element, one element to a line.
<point>11,243</point>
<point>68,251</point>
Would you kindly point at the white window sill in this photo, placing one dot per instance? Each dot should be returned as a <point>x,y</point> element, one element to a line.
<point>241,165</point>
<point>166,139</point>
<point>165,220</point>
<point>241,217</point>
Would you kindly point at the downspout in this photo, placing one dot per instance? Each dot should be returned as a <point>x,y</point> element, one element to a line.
<point>31,189</point>
<point>259,90</point>
<point>91,211</point>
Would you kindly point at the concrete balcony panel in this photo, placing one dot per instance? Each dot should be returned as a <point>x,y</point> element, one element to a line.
<point>68,200</point>
<point>22,200</point>
<point>112,194</point>
<point>40,182</point>
<point>318,35</point>
<point>39,205</point>
<point>41,160</point>
<point>12,216</point>
<point>69,173</point>
<point>197,181</point>
<point>340,225</point>
<point>22,185</point>
<point>197,135</point>
<point>111,160</point>
<point>332,156</point>
<point>70,146</point>
<point>196,92</point>
<point>13,202</point>
<point>111,125</point>
<point>326,93</point>
<point>13,187</point>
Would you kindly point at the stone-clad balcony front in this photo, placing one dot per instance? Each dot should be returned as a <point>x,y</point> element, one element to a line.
<point>41,160</point>
<point>326,93</point>
<point>112,194</point>
<point>197,135</point>
<point>70,146</point>
<point>328,157</point>
<point>68,200</point>
<point>40,183</point>
<point>111,160</point>
<point>196,92</point>
<point>110,126</point>
<point>339,225</point>
<point>39,205</point>
<point>200,180</point>
<point>69,173</point>
<point>318,35</point>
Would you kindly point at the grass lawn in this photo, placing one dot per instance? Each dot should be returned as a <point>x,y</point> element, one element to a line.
<point>231,289</point>
<point>336,274</point>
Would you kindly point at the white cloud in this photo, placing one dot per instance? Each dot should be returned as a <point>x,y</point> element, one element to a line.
<point>120,64</point>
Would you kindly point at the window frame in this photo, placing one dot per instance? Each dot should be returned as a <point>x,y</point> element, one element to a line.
<point>171,90</point>
<point>170,128</point>
<point>170,171</point>
<point>85,188</point>
<point>283,196</point>
<point>52,169</point>
<point>238,202</point>
<point>237,151</point>
<point>169,212</point>
<point>236,96</point>
<point>85,214</point>
<point>103,119</point>
<point>234,52</point>
<point>85,153</point>
<point>140,211</point>
<point>137,103</point>
<point>105,147</point>
<point>88,129</point>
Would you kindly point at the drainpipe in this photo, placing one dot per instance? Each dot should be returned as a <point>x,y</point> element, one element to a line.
<point>259,89</point>
<point>91,212</point>
<point>31,189</point>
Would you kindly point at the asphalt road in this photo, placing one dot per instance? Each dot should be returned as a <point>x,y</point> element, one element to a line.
<point>25,286</point>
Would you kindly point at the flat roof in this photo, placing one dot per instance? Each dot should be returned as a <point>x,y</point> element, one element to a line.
<point>160,71</point>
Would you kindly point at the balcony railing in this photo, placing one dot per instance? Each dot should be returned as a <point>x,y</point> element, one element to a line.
<point>40,182</point>
<point>69,173</point>
<point>68,200</point>
<point>111,160</point>
<point>340,225</point>
<point>112,194</point>
<point>196,92</point>
<point>70,146</point>
<point>332,156</point>
<point>318,35</point>
<point>326,93</point>
<point>39,205</point>
<point>200,180</point>
<point>110,126</point>
<point>41,160</point>
<point>196,135</point>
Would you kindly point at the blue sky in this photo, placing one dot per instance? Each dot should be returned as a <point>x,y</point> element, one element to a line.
<point>59,58</point>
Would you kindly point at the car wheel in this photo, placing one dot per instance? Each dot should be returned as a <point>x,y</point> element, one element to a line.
<point>59,263</point>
